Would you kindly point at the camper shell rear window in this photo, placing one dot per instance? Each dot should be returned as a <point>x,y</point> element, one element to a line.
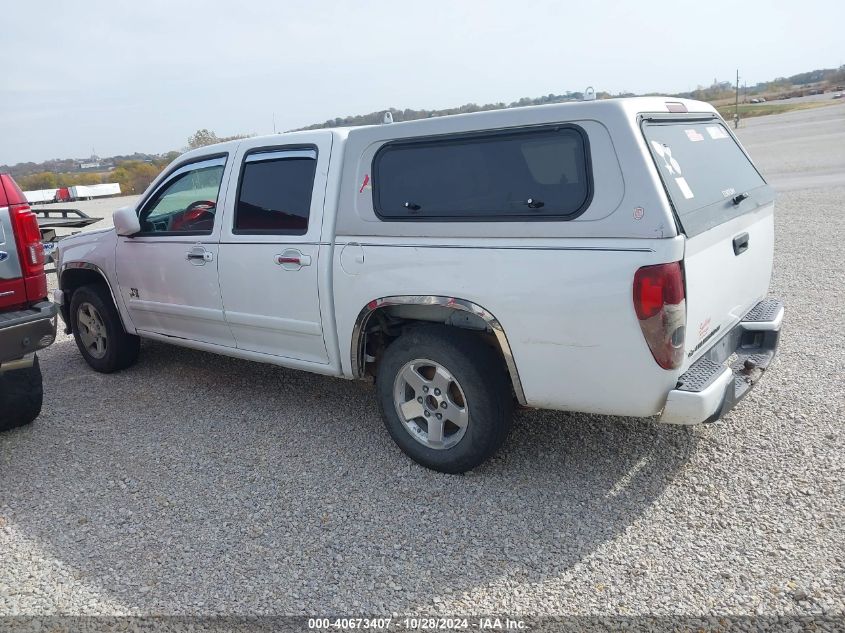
<point>708,177</point>
<point>513,175</point>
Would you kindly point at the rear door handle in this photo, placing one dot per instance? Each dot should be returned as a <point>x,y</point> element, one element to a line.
<point>741,243</point>
<point>292,259</point>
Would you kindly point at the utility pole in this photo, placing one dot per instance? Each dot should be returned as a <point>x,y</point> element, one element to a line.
<point>736,103</point>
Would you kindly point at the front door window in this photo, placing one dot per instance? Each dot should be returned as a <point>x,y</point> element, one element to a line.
<point>187,203</point>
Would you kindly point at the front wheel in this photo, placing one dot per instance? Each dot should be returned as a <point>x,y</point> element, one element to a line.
<point>445,398</point>
<point>21,395</point>
<point>98,331</point>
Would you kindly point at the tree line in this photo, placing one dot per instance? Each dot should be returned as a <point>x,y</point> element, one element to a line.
<point>375,118</point>
<point>133,175</point>
<point>718,91</point>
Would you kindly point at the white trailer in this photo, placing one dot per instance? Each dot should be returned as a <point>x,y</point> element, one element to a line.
<point>39,196</point>
<point>83,192</point>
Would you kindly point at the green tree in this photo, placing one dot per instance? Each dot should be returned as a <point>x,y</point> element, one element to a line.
<point>42,180</point>
<point>201,138</point>
<point>167,158</point>
<point>70,180</point>
<point>135,176</point>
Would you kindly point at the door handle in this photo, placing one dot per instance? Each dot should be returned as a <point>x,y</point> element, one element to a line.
<point>199,256</point>
<point>292,259</point>
<point>741,243</point>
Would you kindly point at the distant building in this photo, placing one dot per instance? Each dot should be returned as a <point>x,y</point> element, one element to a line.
<point>90,164</point>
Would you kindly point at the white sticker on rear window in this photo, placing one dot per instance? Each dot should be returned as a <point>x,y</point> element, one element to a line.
<point>684,187</point>
<point>694,135</point>
<point>665,152</point>
<point>716,132</point>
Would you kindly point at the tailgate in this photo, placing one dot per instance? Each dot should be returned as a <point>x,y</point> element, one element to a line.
<point>726,211</point>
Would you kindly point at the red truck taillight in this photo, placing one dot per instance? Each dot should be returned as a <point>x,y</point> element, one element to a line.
<point>660,304</point>
<point>28,237</point>
<point>28,240</point>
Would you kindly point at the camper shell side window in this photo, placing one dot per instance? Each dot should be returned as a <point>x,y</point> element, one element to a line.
<point>517,175</point>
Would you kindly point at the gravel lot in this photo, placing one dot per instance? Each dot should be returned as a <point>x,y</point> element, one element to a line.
<point>197,484</point>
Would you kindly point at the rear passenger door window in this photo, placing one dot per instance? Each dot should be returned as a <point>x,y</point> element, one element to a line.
<point>274,196</point>
<point>533,174</point>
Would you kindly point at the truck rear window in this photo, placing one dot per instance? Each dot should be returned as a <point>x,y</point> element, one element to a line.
<point>703,170</point>
<point>528,174</point>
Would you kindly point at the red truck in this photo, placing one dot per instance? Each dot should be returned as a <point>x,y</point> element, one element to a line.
<point>27,318</point>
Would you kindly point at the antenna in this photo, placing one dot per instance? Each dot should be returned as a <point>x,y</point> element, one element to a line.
<point>589,94</point>
<point>387,118</point>
<point>274,123</point>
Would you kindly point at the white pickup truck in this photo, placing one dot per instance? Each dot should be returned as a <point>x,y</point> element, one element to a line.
<point>609,257</point>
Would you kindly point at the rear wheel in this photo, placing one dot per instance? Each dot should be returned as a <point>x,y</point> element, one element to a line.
<point>21,395</point>
<point>445,398</point>
<point>98,331</point>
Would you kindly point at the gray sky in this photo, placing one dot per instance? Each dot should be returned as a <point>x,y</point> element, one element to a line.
<point>119,78</point>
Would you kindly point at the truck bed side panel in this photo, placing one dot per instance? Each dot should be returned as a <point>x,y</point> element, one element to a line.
<point>565,306</point>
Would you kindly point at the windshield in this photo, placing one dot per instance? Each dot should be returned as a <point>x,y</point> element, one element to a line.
<point>705,172</point>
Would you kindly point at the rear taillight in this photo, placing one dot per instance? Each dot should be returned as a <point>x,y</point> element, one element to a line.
<point>28,237</point>
<point>27,233</point>
<point>660,304</point>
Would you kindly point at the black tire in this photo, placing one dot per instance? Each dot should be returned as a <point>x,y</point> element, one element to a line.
<point>121,349</point>
<point>21,395</point>
<point>481,376</point>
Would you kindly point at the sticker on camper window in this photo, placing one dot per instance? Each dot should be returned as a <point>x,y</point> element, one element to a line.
<point>684,187</point>
<point>716,132</point>
<point>694,135</point>
<point>366,184</point>
<point>658,148</point>
<point>665,152</point>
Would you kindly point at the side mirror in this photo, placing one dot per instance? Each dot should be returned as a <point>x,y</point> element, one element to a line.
<point>126,221</point>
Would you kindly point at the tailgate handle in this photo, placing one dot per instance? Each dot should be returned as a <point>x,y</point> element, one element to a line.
<point>740,243</point>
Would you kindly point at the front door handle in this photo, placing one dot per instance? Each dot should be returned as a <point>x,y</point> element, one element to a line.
<point>198,256</point>
<point>292,259</point>
<point>741,243</point>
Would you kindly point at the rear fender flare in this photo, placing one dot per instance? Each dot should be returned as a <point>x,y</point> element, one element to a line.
<point>452,303</point>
